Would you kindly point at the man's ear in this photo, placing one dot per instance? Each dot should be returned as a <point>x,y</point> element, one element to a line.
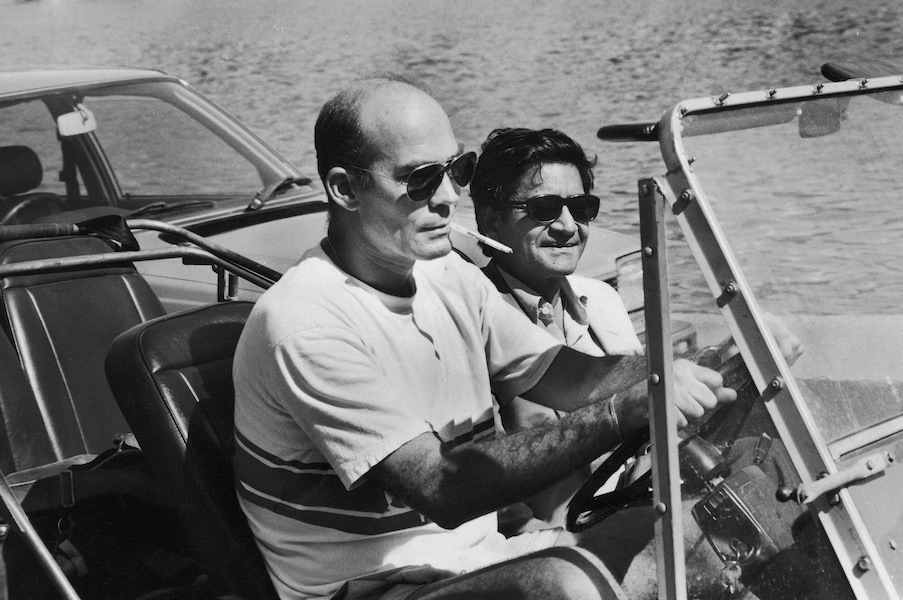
<point>488,221</point>
<point>338,186</point>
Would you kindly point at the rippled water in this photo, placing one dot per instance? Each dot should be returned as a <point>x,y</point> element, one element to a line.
<point>570,64</point>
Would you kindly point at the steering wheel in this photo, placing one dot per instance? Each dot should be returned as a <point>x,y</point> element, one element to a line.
<point>702,451</point>
<point>27,202</point>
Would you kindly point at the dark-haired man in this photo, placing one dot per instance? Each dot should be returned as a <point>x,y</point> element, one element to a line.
<point>366,461</point>
<point>531,191</point>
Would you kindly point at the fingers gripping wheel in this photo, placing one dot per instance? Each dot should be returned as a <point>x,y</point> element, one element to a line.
<point>701,453</point>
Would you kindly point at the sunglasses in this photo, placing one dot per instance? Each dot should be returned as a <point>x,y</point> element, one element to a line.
<point>546,209</point>
<point>423,181</point>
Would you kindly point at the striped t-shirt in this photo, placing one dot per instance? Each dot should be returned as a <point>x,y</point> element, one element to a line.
<point>331,376</point>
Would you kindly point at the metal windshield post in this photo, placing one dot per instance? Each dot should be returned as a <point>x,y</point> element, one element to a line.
<point>663,412</point>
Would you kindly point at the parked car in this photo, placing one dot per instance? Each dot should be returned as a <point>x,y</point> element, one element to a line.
<point>78,143</point>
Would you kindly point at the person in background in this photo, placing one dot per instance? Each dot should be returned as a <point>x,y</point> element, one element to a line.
<point>531,191</point>
<point>366,457</point>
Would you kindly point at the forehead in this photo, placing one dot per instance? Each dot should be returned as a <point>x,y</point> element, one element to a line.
<point>562,179</point>
<point>407,126</point>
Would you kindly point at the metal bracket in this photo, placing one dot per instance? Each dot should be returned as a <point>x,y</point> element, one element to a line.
<point>810,491</point>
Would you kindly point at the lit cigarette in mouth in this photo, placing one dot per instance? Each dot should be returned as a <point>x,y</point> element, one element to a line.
<point>479,236</point>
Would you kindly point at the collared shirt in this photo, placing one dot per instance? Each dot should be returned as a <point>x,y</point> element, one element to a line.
<point>565,318</point>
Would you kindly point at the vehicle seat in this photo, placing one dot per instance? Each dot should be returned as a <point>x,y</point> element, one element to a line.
<point>172,377</point>
<point>20,173</point>
<point>61,324</point>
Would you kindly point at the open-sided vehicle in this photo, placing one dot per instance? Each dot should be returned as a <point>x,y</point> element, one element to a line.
<point>793,486</point>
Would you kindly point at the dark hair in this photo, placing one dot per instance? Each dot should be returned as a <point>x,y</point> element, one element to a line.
<point>510,153</point>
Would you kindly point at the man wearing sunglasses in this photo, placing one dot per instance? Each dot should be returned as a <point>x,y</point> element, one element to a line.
<point>366,456</point>
<point>531,192</point>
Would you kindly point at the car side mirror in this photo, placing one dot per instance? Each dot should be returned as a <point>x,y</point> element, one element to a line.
<point>80,121</point>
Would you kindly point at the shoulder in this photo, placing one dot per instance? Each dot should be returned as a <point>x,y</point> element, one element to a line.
<point>452,271</point>
<point>311,295</point>
<point>594,289</point>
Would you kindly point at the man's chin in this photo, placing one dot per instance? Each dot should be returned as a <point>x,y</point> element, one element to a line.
<point>434,250</point>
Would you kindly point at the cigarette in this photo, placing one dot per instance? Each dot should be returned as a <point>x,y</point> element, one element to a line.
<point>479,236</point>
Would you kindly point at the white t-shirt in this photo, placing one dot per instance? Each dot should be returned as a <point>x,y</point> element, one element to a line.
<point>331,376</point>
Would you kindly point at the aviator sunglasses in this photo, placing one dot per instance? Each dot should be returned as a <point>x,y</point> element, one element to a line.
<point>547,208</point>
<point>423,181</point>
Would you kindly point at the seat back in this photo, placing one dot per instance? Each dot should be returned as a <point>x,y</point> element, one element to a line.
<point>20,170</point>
<point>61,325</point>
<point>25,442</point>
<point>20,174</point>
<point>172,377</point>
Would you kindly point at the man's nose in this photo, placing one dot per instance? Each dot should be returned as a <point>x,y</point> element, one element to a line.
<point>448,192</point>
<point>565,221</point>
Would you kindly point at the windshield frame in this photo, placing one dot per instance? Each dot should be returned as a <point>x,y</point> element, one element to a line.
<point>812,457</point>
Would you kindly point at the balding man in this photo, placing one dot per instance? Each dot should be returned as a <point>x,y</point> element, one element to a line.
<point>366,457</point>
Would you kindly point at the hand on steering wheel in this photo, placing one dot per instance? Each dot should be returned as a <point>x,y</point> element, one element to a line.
<point>697,454</point>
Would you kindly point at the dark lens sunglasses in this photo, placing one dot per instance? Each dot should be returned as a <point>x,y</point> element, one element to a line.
<point>423,181</point>
<point>546,209</point>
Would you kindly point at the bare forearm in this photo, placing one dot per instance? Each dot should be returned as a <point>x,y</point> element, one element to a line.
<point>574,379</point>
<point>462,483</point>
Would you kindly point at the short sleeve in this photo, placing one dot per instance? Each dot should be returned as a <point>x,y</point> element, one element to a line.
<point>334,388</point>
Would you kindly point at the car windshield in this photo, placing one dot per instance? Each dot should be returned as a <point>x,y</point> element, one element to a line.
<point>155,143</point>
<point>802,193</point>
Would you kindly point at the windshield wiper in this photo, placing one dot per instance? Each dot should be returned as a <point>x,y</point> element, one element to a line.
<point>272,190</point>
<point>155,208</point>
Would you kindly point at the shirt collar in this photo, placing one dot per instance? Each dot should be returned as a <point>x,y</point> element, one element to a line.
<point>532,303</point>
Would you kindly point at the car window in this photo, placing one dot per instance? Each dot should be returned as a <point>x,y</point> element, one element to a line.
<point>31,124</point>
<point>156,149</point>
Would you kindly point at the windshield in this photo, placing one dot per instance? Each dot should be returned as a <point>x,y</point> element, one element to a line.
<point>156,143</point>
<point>804,192</point>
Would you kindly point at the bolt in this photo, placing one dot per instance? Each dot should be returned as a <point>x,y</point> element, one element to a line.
<point>660,508</point>
<point>818,88</point>
<point>647,252</point>
<point>691,160</point>
<point>730,288</point>
<point>893,544</point>
<point>777,383</point>
<point>683,110</point>
<point>864,563</point>
<point>4,530</point>
<point>863,83</point>
<point>890,457</point>
<point>770,94</point>
<point>686,196</point>
<point>654,379</point>
<point>870,465</point>
<point>720,99</point>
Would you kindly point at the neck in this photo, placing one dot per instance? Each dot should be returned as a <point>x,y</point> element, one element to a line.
<point>389,277</point>
<point>547,287</point>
